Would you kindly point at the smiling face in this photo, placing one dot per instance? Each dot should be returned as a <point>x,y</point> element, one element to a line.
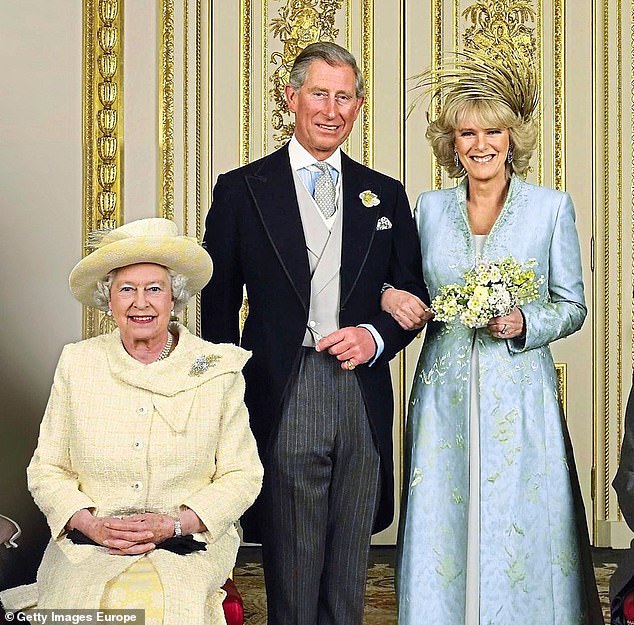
<point>141,302</point>
<point>325,107</point>
<point>482,150</point>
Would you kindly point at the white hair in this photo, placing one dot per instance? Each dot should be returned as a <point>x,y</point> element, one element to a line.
<point>178,283</point>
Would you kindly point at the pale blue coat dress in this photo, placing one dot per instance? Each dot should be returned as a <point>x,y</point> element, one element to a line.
<point>528,566</point>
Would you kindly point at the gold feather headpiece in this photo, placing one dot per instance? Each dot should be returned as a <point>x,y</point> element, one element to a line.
<point>474,75</point>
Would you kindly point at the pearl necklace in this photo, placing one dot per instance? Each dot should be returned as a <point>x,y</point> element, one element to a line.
<point>168,346</point>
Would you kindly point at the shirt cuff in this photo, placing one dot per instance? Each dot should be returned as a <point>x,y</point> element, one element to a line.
<point>380,344</point>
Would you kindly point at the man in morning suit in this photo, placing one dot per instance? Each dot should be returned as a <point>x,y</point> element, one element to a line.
<point>315,236</point>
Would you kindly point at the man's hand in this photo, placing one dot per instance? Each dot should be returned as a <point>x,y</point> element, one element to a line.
<point>409,311</point>
<point>352,346</point>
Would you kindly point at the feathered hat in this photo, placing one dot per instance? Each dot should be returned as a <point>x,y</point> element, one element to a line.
<point>508,79</point>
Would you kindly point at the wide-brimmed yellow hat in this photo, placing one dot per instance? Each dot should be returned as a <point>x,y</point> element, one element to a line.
<point>155,240</point>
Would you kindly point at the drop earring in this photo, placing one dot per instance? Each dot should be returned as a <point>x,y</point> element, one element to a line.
<point>509,155</point>
<point>456,160</point>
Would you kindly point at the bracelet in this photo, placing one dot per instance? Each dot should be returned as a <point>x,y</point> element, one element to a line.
<point>386,287</point>
<point>178,528</point>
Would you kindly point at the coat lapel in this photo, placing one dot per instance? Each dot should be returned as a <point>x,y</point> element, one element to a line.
<point>359,223</point>
<point>273,193</point>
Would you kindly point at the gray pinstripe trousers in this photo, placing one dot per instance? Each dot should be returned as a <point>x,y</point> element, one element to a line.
<point>321,483</point>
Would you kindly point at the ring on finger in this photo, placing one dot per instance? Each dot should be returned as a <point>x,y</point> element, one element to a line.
<point>503,330</point>
<point>350,365</point>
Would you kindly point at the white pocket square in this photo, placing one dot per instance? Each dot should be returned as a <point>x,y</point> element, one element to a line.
<point>383,224</point>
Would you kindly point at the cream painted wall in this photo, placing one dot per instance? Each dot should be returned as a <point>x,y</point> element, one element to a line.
<point>41,199</point>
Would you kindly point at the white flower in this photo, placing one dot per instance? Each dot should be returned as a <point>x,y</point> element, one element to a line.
<point>490,289</point>
<point>369,199</point>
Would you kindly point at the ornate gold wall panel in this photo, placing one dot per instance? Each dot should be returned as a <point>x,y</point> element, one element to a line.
<point>102,128</point>
<point>283,29</point>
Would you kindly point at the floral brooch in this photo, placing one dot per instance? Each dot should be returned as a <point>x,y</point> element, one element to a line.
<point>202,363</point>
<point>369,199</point>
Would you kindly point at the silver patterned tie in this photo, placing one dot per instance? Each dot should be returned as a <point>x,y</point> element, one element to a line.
<point>325,192</point>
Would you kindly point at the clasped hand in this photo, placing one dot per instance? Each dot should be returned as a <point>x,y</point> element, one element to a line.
<point>131,535</point>
<point>409,311</point>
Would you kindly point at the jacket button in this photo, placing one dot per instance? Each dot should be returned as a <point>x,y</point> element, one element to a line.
<point>137,486</point>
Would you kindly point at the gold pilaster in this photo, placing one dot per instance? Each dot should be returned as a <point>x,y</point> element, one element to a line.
<point>539,62</point>
<point>199,129</point>
<point>102,129</point>
<point>436,56</point>
<point>245,81</point>
<point>367,56</point>
<point>619,233</point>
<point>561,371</point>
<point>166,113</point>
<point>559,94</point>
<point>606,252</point>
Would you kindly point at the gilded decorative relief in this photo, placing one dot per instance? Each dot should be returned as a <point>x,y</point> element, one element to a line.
<point>166,139</point>
<point>300,23</point>
<point>102,129</point>
<point>500,26</point>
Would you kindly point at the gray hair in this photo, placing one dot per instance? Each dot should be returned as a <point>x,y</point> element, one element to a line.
<point>178,283</point>
<point>330,53</point>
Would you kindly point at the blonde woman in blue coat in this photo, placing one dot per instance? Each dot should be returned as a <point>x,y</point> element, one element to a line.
<point>490,532</point>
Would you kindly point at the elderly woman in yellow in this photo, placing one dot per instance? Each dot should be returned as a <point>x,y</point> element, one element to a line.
<point>145,459</point>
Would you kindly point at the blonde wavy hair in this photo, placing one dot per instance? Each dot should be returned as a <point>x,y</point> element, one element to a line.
<point>491,91</point>
<point>487,114</point>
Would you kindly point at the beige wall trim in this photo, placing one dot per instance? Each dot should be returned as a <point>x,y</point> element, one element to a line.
<point>102,128</point>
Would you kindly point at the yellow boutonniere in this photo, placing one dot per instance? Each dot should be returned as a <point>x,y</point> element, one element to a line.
<point>369,199</point>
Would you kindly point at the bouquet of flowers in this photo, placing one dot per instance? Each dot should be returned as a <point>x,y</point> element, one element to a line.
<point>490,289</point>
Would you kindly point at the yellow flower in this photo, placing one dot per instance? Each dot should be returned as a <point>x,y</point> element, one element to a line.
<point>369,199</point>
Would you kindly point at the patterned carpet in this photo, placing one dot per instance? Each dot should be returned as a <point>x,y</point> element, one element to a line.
<point>380,608</point>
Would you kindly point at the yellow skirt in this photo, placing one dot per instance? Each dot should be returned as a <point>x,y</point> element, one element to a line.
<point>138,587</point>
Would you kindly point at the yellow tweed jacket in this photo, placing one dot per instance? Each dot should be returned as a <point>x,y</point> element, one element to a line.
<point>119,436</point>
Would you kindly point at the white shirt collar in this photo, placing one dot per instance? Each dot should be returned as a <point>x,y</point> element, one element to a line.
<point>300,157</point>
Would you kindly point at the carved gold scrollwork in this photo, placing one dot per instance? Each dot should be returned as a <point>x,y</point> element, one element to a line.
<point>499,26</point>
<point>102,108</point>
<point>300,23</point>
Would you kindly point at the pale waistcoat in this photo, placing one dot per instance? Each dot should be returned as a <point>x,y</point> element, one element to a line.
<point>324,255</point>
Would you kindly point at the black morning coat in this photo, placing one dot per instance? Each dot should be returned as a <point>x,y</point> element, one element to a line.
<point>255,238</point>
